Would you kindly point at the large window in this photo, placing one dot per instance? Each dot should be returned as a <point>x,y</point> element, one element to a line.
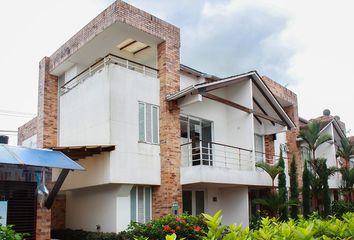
<point>259,147</point>
<point>140,204</point>
<point>148,123</point>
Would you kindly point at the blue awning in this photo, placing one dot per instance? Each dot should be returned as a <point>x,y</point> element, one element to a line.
<point>36,157</point>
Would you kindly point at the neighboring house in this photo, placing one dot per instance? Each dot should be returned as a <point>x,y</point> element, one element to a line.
<point>154,136</point>
<point>336,129</point>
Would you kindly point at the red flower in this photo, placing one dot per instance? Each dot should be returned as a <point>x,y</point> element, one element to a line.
<point>178,227</point>
<point>166,228</point>
<point>183,221</point>
<point>178,219</point>
<point>197,228</point>
<point>172,231</point>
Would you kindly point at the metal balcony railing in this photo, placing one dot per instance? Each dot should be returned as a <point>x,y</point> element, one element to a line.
<point>216,154</point>
<point>109,59</point>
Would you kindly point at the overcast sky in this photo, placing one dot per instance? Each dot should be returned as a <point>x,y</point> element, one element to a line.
<point>307,46</point>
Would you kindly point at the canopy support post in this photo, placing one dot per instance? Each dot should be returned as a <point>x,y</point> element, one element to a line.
<point>51,197</point>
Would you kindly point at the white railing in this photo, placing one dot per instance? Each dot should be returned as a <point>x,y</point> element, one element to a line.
<point>109,59</point>
<point>216,154</point>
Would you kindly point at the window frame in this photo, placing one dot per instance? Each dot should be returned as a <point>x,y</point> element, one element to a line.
<point>152,132</point>
<point>145,220</point>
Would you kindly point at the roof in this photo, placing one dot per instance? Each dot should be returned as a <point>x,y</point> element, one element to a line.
<point>80,152</point>
<point>36,157</point>
<point>253,75</point>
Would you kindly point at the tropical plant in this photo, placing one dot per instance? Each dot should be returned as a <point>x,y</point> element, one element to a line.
<point>313,137</point>
<point>184,226</point>
<point>347,183</point>
<point>273,203</point>
<point>294,189</point>
<point>306,194</point>
<point>283,193</point>
<point>313,228</point>
<point>271,170</point>
<point>8,233</point>
<point>345,150</point>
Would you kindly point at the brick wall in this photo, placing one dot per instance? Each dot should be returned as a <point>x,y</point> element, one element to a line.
<point>26,131</point>
<point>292,110</point>
<point>58,212</point>
<point>269,148</point>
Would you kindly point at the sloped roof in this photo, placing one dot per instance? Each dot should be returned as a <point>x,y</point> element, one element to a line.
<point>224,82</point>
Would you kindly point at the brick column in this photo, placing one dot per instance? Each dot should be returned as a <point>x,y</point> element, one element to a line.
<point>170,189</point>
<point>46,134</point>
<point>269,148</point>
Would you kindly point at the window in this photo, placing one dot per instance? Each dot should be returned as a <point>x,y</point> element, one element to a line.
<point>148,123</point>
<point>140,204</point>
<point>193,202</point>
<point>259,147</point>
<point>305,153</point>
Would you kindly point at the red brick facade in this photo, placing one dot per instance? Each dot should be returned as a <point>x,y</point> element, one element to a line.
<point>58,212</point>
<point>291,109</point>
<point>269,148</point>
<point>27,130</point>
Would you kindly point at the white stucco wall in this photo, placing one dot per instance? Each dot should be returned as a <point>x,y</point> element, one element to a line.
<point>84,112</point>
<point>102,110</point>
<point>107,206</point>
<point>234,202</point>
<point>230,126</point>
<point>132,162</point>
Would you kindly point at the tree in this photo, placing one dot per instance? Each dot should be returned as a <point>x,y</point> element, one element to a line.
<point>272,203</point>
<point>313,137</point>
<point>306,190</point>
<point>294,189</point>
<point>282,187</point>
<point>347,183</point>
<point>345,150</point>
<point>271,170</point>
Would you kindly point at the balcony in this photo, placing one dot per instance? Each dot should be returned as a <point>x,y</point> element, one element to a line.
<point>98,66</point>
<point>217,155</point>
<point>217,163</point>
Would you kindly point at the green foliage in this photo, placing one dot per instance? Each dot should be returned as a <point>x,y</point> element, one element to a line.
<point>311,229</point>
<point>306,195</point>
<point>283,193</point>
<point>345,150</point>
<point>271,170</point>
<point>313,137</point>
<point>184,226</point>
<point>347,183</point>
<point>341,207</point>
<point>294,190</point>
<point>68,234</point>
<point>7,233</point>
<point>272,203</point>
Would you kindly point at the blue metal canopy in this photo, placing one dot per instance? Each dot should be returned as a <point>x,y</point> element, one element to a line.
<point>36,157</point>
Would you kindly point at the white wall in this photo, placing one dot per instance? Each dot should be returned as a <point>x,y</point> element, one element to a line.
<point>230,126</point>
<point>234,202</point>
<point>327,150</point>
<point>107,206</point>
<point>97,172</point>
<point>30,142</point>
<point>84,112</point>
<point>132,162</point>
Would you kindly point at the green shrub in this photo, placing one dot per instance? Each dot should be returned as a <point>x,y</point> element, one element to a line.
<point>68,234</point>
<point>341,207</point>
<point>7,233</point>
<point>184,226</point>
<point>271,228</point>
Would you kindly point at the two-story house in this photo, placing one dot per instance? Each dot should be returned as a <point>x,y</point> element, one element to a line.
<point>334,127</point>
<point>155,137</point>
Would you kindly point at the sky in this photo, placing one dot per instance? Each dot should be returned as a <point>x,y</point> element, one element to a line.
<point>306,46</point>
